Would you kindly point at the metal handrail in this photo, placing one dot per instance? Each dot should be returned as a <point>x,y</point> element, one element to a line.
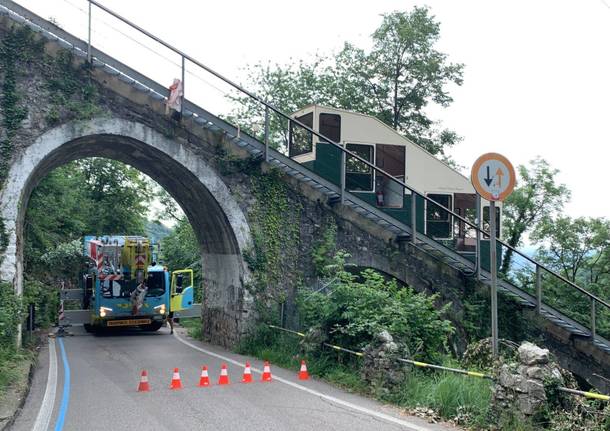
<point>268,107</point>
<point>340,147</point>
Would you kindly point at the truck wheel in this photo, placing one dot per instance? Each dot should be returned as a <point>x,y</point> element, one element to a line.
<point>155,326</point>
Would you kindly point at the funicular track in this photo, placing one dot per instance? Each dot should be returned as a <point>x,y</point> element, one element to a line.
<point>335,193</point>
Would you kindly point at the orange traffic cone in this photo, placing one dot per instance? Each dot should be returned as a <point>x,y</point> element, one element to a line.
<point>176,382</point>
<point>266,372</point>
<point>247,374</point>
<point>144,386</point>
<point>303,374</point>
<point>224,376</point>
<point>204,380</point>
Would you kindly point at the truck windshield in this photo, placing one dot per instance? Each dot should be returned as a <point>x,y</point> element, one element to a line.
<point>123,288</point>
<point>156,283</point>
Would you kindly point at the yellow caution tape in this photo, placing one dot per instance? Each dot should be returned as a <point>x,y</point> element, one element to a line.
<point>300,334</point>
<point>597,396</point>
<point>336,347</point>
<point>475,374</point>
<point>420,364</point>
<point>359,354</point>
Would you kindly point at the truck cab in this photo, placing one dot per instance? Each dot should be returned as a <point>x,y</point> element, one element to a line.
<point>116,267</point>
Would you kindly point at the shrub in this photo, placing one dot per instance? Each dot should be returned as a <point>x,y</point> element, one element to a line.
<point>45,300</point>
<point>357,307</point>
<point>10,314</point>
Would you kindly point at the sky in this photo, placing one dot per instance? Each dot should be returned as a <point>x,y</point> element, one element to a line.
<point>536,77</point>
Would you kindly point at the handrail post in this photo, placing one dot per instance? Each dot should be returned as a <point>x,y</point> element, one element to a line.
<point>478,251</point>
<point>266,133</point>
<point>593,322</point>
<point>343,161</point>
<point>183,89</point>
<point>413,218</point>
<point>89,37</point>
<point>538,289</point>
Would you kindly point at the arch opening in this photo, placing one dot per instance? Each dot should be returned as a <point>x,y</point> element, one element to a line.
<point>215,216</point>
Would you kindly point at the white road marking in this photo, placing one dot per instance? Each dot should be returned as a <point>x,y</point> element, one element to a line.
<point>46,408</point>
<point>347,404</point>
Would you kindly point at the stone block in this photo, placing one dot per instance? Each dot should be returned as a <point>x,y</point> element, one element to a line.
<point>531,354</point>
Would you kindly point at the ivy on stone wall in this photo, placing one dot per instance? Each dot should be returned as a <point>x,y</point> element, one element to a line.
<point>72,94</point>
<point>16,48</point>
<point>513,320</point>
<point>275,237</point>
<point>325,246</point>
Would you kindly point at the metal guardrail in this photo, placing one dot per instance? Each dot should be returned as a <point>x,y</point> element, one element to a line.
<point>592,395</point>
<point>91,53</point>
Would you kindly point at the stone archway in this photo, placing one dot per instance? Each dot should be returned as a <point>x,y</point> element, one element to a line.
<point>218,221</point>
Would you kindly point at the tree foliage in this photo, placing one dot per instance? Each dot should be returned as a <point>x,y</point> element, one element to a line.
<point>89,196</point>
<point>395,81</point>
<point>357,307</point>
<point>579,250</point>
<point>537,197</point>
<point>181,251</point>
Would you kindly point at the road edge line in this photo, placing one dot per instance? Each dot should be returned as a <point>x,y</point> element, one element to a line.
<point>65,398</point>
<point>343,403</point>
<point>48,401</point>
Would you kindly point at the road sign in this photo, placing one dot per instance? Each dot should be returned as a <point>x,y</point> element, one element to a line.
<point>493,177</point>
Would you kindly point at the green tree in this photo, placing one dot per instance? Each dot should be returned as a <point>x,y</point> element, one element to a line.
<point>577,248</point>
<point>395,81</point>
<point>402,74</point>
<point>180,250</point>
<point>57,213</point>
<point>538,197</point>
<point>90,196</point>
<point>119,196</point>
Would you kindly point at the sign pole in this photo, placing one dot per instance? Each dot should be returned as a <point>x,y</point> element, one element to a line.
<point>493,178</point>
<point>494,278</point>
<point>479,225</point>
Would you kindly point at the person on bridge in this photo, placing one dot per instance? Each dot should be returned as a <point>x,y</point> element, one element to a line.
<point>137,297</point>
<point>174,101</point>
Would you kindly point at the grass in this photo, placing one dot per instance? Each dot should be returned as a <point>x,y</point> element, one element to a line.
<point>14,367</point>
<point>450,395</point>
<point>193,327</point>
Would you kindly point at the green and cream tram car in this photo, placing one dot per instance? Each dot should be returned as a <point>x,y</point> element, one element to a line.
<point>382,146</point>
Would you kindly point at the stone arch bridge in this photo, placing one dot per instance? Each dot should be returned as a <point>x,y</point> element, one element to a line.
<point>219,177</point>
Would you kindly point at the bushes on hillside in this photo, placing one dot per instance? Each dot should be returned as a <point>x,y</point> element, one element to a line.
<point>10,314</point>
<point>354,308</point>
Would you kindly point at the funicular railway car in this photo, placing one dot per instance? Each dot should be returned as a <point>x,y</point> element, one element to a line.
<point>382,146</point>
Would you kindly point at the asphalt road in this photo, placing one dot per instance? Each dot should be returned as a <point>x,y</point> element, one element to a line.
<point>104,372</point>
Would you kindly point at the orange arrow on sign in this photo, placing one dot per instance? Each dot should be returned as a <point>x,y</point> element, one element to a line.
<point>500,174</point>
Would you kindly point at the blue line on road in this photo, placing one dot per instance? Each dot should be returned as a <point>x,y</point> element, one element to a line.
<point>65,398</point>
